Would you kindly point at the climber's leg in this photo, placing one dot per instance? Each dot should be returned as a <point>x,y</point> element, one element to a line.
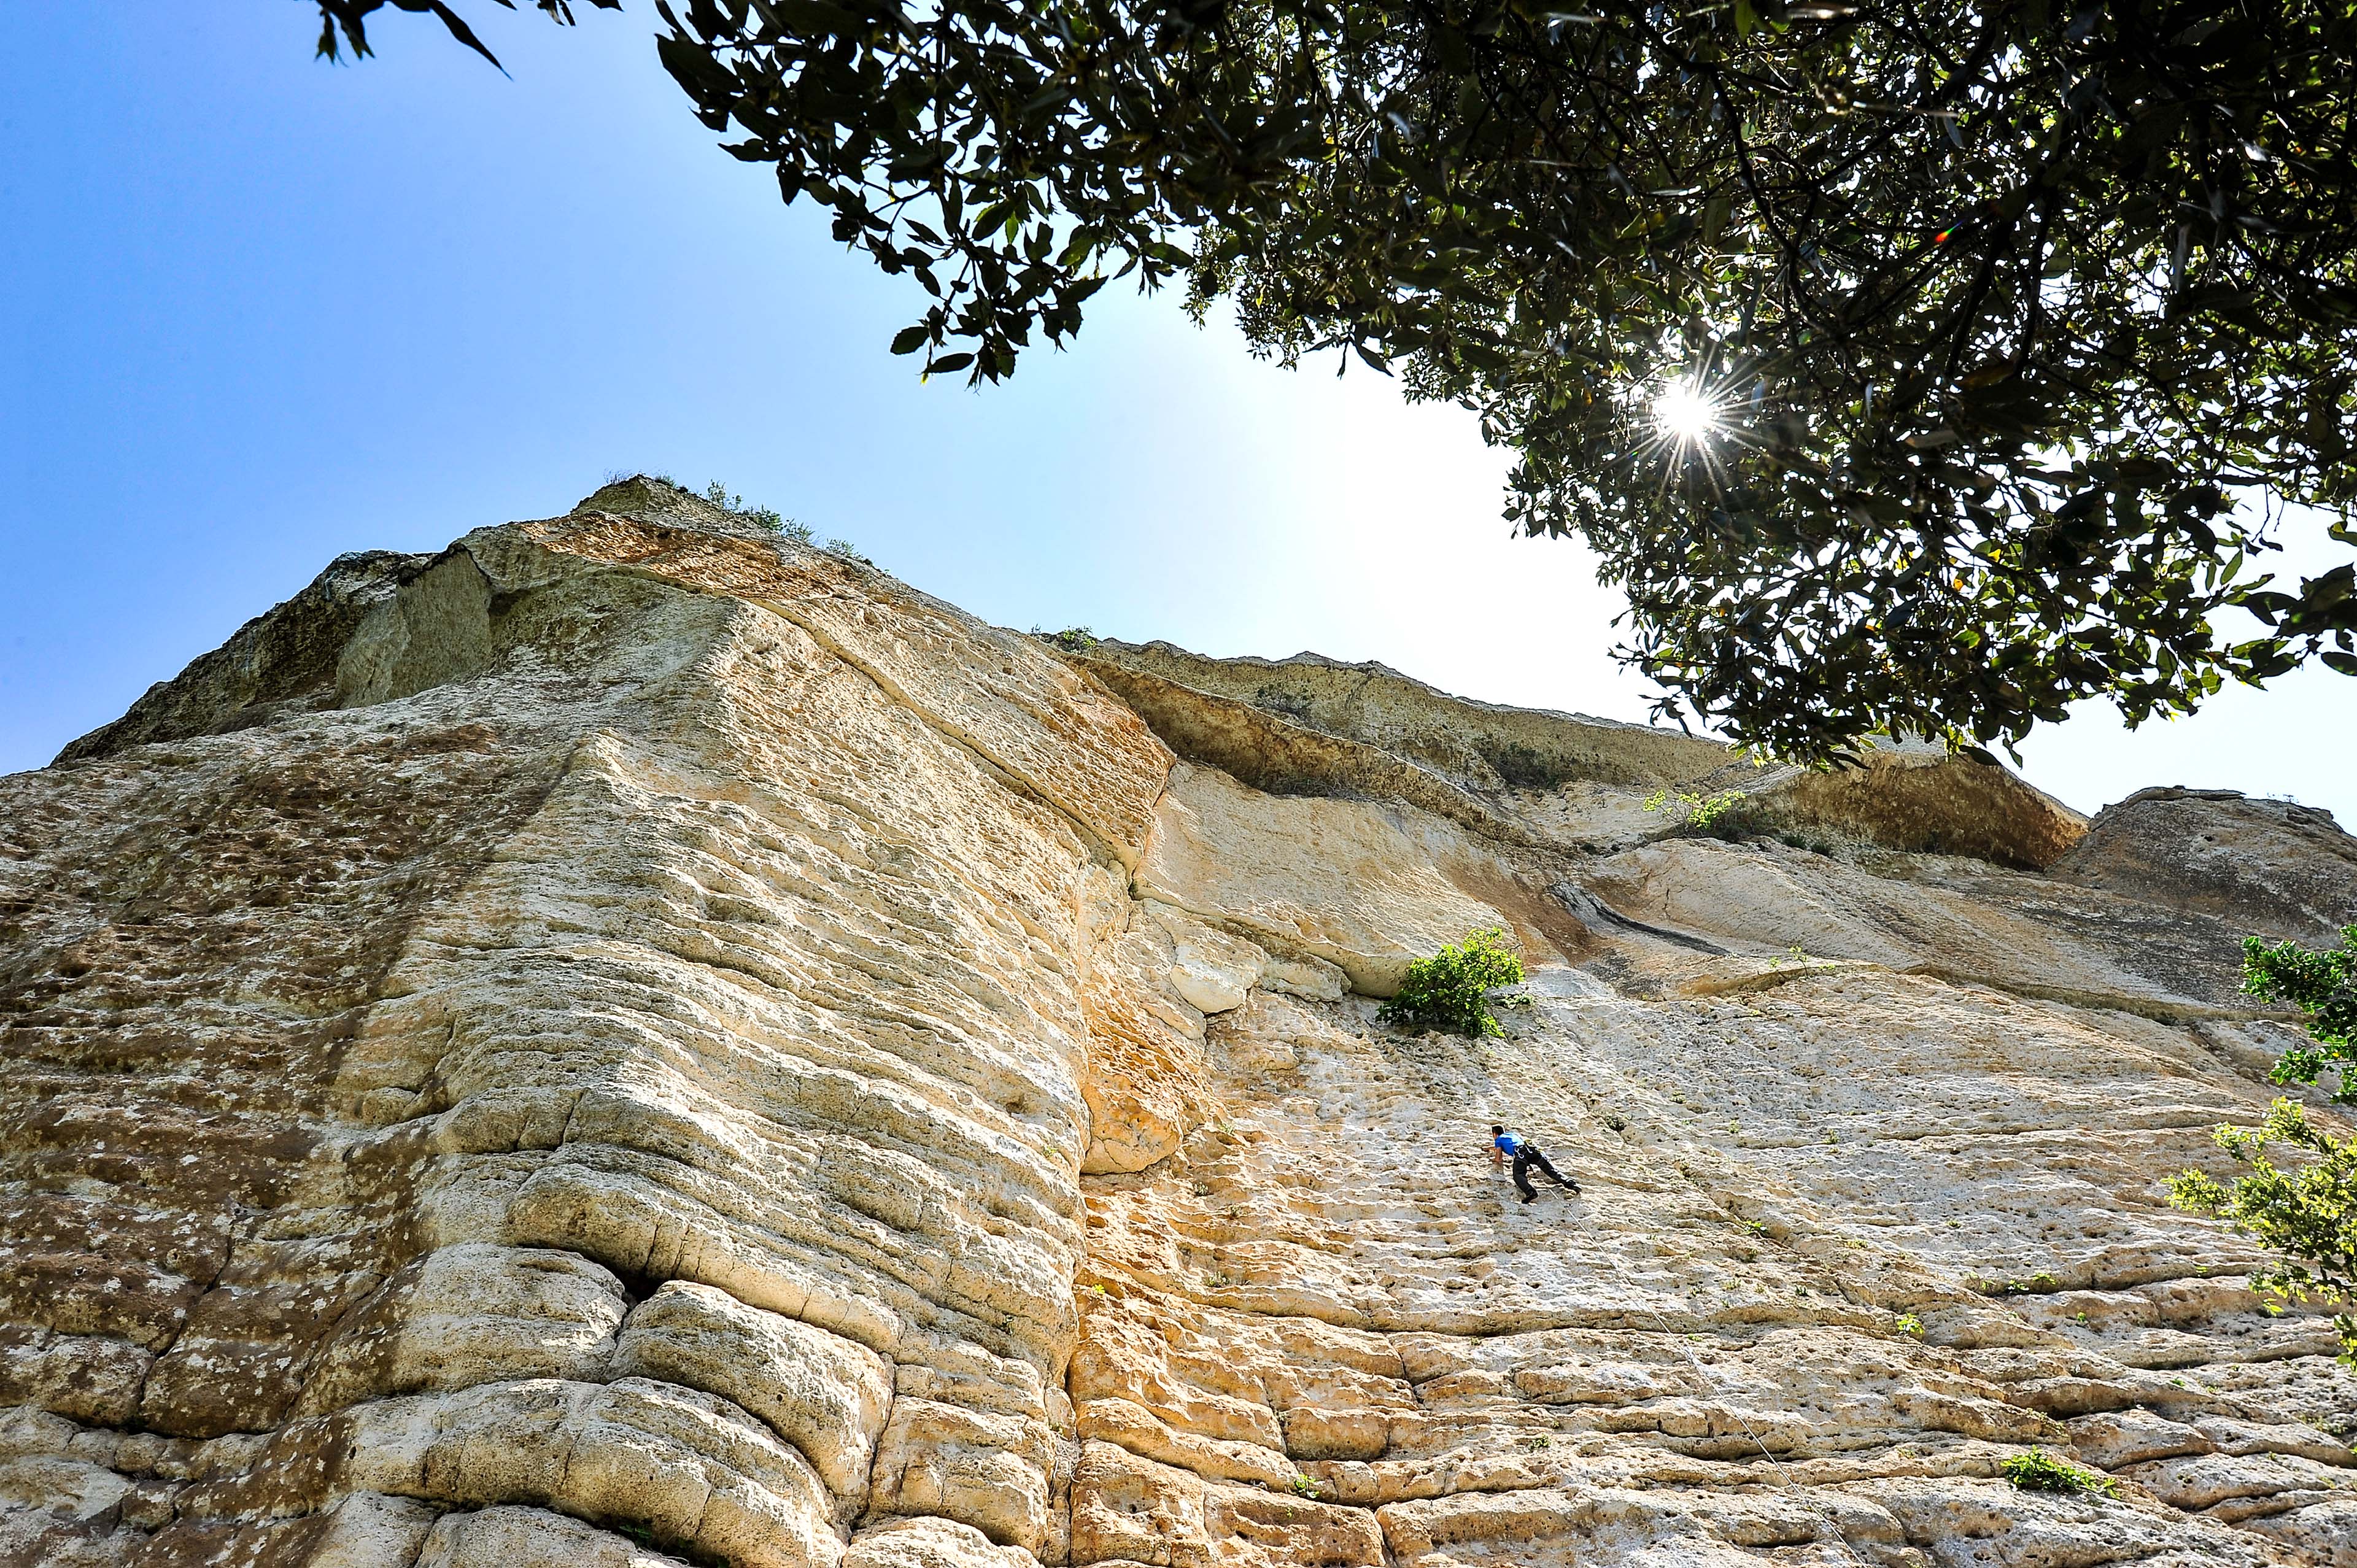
<point>1538,1158</point>
<point>1522,1173</point>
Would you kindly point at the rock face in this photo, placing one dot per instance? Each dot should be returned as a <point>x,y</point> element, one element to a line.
<point>628,1041</point>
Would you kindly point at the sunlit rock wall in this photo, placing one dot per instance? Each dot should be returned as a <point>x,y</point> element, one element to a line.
<point>630,1042</point>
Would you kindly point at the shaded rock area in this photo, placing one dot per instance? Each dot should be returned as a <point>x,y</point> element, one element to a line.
<point>633,1042</point>
<point>1309,725</point>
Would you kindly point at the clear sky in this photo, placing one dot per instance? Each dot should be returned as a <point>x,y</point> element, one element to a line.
<point>258,310</point>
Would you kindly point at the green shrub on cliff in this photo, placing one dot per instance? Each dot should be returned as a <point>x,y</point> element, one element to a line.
<point>1717,815</point>
<point>1450,990</point>
<point>2321,982</point>
<point>2039,1471</point>
<point>761,517</point>
<point>2307,1210</point>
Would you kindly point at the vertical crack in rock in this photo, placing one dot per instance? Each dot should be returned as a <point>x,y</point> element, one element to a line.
<point>627,1042</point>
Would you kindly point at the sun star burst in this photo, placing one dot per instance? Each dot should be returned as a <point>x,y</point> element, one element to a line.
<point>1686,413</point>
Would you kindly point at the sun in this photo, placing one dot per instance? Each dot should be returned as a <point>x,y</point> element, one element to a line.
<point>1684,413</point>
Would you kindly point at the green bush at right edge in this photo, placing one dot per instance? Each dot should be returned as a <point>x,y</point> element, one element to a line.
<point>2307,1211</point>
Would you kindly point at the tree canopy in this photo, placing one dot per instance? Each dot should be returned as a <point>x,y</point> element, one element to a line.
<point>1912,367</point>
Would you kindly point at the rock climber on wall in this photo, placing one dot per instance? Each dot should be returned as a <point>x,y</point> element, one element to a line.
<point>1525,1155</point>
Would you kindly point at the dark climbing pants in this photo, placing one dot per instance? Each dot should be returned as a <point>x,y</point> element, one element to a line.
<point>1524,1158</point>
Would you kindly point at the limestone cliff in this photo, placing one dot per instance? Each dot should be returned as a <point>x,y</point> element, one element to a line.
<point>628,1041</point>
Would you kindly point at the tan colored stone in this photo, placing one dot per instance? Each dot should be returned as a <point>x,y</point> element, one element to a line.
<point>1144,1082</point>
<point>1131,1510</point>
<point>1057,731</point>
<point>929,1543</point>
<point>1252,1530</point>
<point>981,1469</point>
<point>2119,1438</point>
<point>820,1391</point>
<point>1338,880</point>
<point>466,1314</point>
<point>531,1538</point>
<point>1212,970</point>
<point>1144,1433</point>
<point>365,1530</point>
<point>628,1041</point>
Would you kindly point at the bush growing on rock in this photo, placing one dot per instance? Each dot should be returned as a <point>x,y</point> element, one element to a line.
<point>2307,1213</point>
<point>1450,991</point>
<point>2321,983</point>
<point>2040,1471</point>
<point>1696,813</point>
<point>761,517</point>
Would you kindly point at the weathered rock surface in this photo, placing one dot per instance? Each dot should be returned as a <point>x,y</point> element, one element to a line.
<point>629,1043</point>
<point>2220,853</point>
<point>1307,726</point>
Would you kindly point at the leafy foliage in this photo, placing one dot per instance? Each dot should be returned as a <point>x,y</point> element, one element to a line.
<point>2323,984</point>
<point>1072,640</point>
<point>760,517</point>
<point>1450,990</point>
<point>350,17</point>
<point>2307,1212</point>
<point>1691,809</point>
<point>2004,331</point>
<point>2040,1471</point>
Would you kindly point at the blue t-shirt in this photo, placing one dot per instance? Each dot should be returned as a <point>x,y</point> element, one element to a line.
<point>1508,1141</point>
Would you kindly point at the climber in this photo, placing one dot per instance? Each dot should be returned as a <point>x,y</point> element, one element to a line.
<point>1526,1155</point>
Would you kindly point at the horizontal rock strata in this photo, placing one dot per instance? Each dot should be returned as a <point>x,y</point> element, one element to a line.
<point>632,1042</point>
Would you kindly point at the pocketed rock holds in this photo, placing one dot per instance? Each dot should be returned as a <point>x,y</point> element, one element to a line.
<point>631,1042</point>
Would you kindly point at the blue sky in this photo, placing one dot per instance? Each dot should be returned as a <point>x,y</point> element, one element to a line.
<point>258,310</point>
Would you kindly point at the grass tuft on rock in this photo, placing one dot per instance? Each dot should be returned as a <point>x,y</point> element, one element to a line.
<point>2040,1471</point>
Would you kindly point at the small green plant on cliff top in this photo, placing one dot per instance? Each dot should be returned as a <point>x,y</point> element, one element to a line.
<point>2307,1212</point>
<point>2039,1471</point>
<point>767,519</point>
<point>1450,990</point>
<point>760,517</point>
<point>1072,640</point>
